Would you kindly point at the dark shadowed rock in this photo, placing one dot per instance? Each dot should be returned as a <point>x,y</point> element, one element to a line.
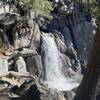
<point>34,65</point>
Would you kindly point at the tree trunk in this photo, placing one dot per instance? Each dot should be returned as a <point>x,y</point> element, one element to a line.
<point>87,89</point>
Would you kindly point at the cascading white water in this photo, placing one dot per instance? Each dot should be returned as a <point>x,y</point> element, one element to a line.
<point>55,78</point>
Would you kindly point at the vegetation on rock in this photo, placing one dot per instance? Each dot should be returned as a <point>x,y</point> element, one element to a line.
<point>42,7</point>
<point>93,7</point>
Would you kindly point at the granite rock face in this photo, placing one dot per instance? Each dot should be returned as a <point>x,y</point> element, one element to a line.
<point>77,29</point>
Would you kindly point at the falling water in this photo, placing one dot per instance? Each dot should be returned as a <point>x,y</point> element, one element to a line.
<point>55,78</point>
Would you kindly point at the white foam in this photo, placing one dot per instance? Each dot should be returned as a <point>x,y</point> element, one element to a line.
<point>55,78</point>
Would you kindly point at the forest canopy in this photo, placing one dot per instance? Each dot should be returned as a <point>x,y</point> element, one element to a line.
<point>45,6</point>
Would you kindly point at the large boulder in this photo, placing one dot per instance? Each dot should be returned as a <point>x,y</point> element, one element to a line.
<point>34,65</point>
<point>3,65</point>
<point>21,65</point>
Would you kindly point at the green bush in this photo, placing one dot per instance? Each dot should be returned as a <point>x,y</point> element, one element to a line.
<point>94,7</point>
<point>42,7</point>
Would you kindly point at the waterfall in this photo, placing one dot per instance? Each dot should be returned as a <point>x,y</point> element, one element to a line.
<point>54,77</point>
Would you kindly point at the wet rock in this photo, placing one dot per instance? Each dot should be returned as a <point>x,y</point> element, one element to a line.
<point>60,42</point>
